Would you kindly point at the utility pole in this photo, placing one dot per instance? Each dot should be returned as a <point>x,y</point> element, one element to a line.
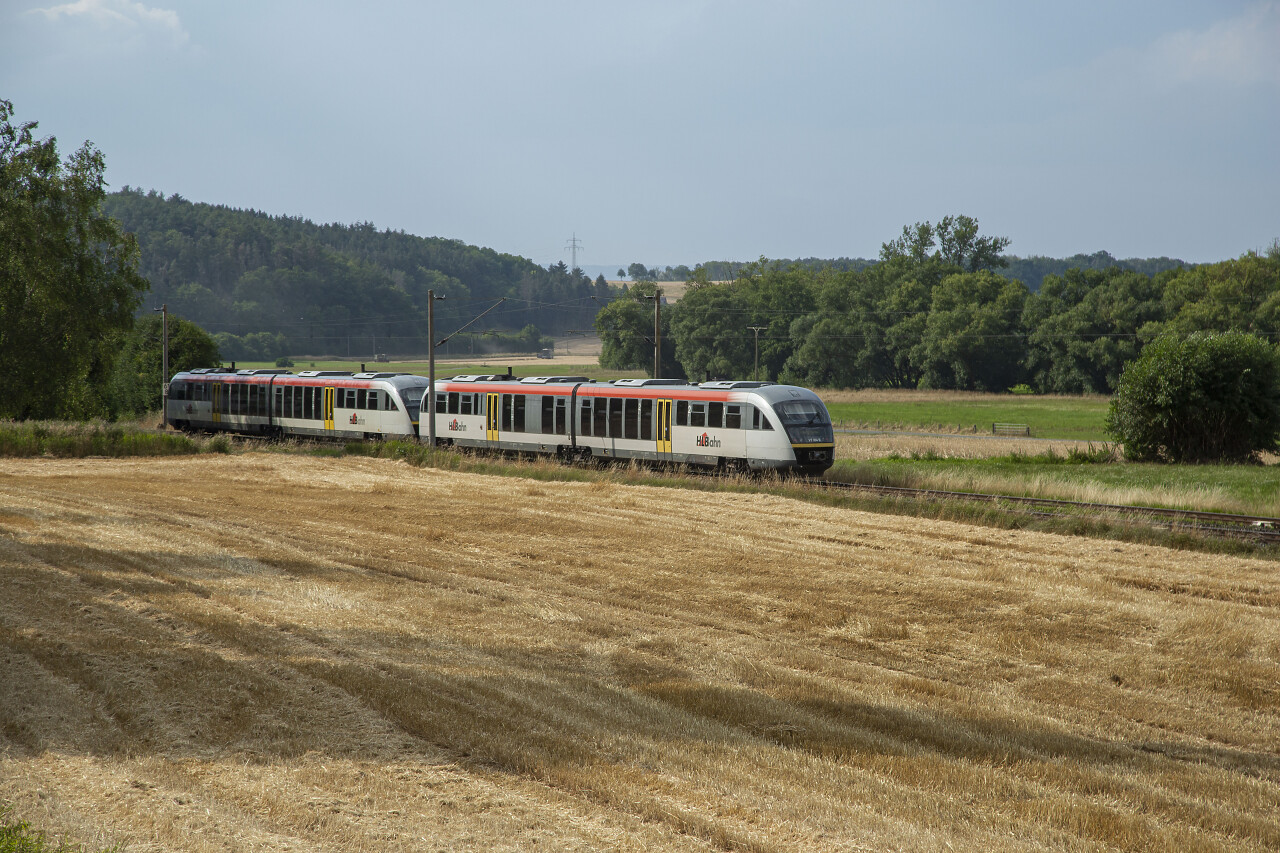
<point>164,362</point>
<point>430,400</point>
<point>757,330</point>
<point>574,245</point>
<point>657,334</point>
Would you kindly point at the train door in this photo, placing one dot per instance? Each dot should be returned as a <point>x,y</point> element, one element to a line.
<point>663,432</point>
<point>328,409</point>
<point>217,402</point>
<point>492,411</point>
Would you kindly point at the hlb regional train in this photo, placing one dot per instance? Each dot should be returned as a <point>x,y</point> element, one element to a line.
<point>745,426</point>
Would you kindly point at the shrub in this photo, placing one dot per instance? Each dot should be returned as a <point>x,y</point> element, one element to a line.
<point>1208,397</point>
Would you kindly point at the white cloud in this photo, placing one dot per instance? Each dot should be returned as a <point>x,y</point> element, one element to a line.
<point>118,15</point>
<point>1239,51</point>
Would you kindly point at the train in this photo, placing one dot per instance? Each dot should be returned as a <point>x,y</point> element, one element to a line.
<point>736,425</point>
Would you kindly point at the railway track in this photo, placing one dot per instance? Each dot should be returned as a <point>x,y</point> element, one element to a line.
<point>1249,527</point>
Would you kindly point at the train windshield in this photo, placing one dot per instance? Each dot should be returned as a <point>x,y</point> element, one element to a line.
<point>806,421</point>
<point>412,399</point>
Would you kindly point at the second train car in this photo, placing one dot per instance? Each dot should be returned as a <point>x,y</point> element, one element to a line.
<point>748,426</point>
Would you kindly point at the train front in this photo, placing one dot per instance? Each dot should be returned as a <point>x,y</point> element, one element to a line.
<point>808,428</point>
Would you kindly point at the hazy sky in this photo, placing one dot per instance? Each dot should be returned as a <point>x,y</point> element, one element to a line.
<point>677,132</point>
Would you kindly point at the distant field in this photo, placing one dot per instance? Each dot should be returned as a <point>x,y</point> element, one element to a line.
<point>1064,417</point>
<point>274,652</point>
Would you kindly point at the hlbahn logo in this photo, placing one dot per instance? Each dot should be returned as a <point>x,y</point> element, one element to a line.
<point>705,440</point>
<point>455,426</point>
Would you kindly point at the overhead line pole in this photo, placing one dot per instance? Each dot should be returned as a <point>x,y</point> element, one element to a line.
<point>757,330</point>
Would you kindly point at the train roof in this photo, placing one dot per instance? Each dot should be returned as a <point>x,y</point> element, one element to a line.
<point>770,391</point>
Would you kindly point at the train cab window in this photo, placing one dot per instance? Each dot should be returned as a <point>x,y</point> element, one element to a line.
<point>698,415</point>
<point>733,416</point>
<point>388,401</point>
<point>646,420</point>
<point>759,420</point>
<point>631,418</point>
<point>177,391</point>
<point>715,414</point>
<point>682,413</point>
<point>584,416</point>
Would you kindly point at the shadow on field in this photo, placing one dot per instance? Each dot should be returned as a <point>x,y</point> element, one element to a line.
<point>113,653</point>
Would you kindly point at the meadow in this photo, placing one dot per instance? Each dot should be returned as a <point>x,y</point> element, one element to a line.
<point>280,652</point>
<point>1074,418</point>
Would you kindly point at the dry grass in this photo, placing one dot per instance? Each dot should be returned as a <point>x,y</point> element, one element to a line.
<point>277,653</point>
<point>860,447</point>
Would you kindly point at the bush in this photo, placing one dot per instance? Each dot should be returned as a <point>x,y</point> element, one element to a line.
<point>1208,397</point>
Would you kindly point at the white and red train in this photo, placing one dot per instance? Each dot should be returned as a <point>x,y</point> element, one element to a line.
<point>748,426</point>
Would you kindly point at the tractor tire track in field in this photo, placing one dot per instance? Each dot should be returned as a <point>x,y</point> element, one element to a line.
<point>279,652</point>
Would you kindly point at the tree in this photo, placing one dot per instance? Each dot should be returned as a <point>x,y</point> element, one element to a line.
<point>957,244</point>
<point>1084,326</point>
<point>973,338</point>
<point>625,327</point>
<point>69,280</point>
<point>136,379</point>
<point>638,272</point>
<point>1207,397</point>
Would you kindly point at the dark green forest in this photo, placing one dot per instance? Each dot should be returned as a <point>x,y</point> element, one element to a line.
<point>267,286</point>
<point>936,311</point>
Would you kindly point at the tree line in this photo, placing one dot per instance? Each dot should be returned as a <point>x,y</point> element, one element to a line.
<point>267,286</point>
<point>935,312</point>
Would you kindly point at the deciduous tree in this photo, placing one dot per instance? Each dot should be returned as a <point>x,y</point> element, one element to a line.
<point>69,280</point>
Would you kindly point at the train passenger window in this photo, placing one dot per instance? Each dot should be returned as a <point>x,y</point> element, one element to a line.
<point>441,404</point>
<point>682,413</point>
<point>297,402</point>
<point>646,420</point>
<point>279,404</point>
<point>584,416</point>
<point>453,403</point>
<point>631,418</point>
<point>253,400</point>
<point>373,401</point>
<point>698,415</point>
<point>615,418</point>
<point>518,423</point>
<point>360,398</point>
<point>465,402</point>
<point>548,414</point>
<point>505,421</point>
<point>715,414</point>
<point>177,391</point>
<point>561,407</point>
<point>600,417</point>
<point>733,416</point>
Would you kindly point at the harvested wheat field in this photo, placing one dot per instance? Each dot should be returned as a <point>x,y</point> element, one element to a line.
<point>277,652</point>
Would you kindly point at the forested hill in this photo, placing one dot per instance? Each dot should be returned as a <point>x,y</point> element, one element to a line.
<point>267,285</point>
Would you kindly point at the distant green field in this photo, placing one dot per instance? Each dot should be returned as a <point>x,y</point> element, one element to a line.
<point>1075,418</point>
